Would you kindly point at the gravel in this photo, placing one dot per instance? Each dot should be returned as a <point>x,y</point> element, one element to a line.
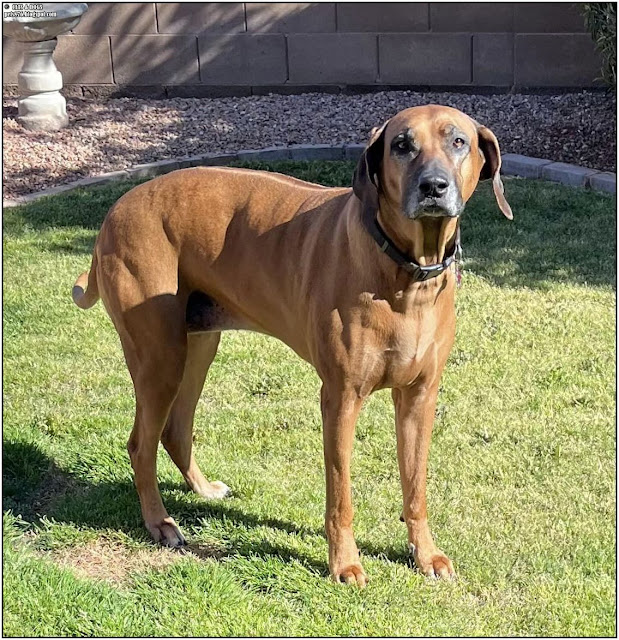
<point>578,128</point>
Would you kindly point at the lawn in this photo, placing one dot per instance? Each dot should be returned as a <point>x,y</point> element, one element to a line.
<point>521,485</point>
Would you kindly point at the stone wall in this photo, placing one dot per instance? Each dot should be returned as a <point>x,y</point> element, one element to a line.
<point>207,49</point>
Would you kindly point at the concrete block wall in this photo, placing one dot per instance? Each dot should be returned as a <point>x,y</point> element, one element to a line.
<point>239,48</point>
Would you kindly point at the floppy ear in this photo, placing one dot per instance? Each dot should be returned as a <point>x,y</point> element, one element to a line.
<point>489,147</point>
<point>367,174</point>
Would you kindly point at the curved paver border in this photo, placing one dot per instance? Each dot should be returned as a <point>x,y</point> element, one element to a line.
<point>512,165</point>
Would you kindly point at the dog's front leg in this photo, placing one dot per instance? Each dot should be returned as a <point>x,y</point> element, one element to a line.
<point>340,408</point>
<point>414,410</point>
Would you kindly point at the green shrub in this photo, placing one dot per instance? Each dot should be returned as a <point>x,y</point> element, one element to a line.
<point>601,22</point>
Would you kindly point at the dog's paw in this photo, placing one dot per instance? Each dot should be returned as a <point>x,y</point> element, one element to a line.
<point>350,574</point>
<point>214,490</point>
<point>167,533</point>
<point>434,564</point>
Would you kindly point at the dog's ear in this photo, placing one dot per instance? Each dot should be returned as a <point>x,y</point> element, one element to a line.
<point>489,148</point>
<point>367,174</point>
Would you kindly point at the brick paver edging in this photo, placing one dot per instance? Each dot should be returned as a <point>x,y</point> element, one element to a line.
<point>512,165</point>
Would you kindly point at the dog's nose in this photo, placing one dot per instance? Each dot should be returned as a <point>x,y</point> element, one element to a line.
<point>433,185</point>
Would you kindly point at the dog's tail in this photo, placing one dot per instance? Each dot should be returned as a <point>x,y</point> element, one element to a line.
<point>86,297</point>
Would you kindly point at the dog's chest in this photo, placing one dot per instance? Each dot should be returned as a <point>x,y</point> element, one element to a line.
<point>396,346</point>
<point>408,350</point>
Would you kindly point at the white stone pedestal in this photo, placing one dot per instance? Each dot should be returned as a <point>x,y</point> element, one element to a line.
<point>41,107</point>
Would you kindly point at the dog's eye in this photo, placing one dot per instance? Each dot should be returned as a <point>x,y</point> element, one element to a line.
<point>459,143</point>
<point>403,145</point>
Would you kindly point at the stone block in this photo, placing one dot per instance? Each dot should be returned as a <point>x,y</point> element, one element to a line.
<point>244,59</point>
<point>75,58</point>
<point>569,174</point>
<point>290,17</point>
<point>272,154</point>
<point>189,161</point>
<point>471,16</point>
<point>425,58</point>
<point>200,17</point>
<point>218,159</point>
<point>353,151</point>
<point>152,169</point>
<point>558,60</point>
<point>295,89</point>
<point>91,182</point>
<point>117,18</point>
<point>332,58</point>
<point>382,16</point>
<point>247,155</point>
<point>548,17</point>
<point>207,91</point>
<point>113,176</point>
<point>155,59</point>
<point>513,164</point>
<point>208,160</point>
<point>605,181</point>
<point>316,152</point>
<point>156,91</point>
<point>493,59</point>
<point>52,191</point>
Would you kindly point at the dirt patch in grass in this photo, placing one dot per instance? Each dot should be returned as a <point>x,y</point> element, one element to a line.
<point>113,562</point>
<point>54,488</point>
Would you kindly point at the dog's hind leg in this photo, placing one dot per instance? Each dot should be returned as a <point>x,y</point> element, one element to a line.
<point>149,315</point>
<point>155,345</point>
<point>177,435</point>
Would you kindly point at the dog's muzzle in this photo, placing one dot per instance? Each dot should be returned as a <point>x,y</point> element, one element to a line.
<point>433,193</point>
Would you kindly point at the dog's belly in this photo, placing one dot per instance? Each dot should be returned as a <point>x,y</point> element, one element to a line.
<point>204,314</point>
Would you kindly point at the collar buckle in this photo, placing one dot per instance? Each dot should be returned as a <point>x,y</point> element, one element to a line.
<point>422,273</point>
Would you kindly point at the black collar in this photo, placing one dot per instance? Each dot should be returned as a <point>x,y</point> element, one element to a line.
<point>417,271</point>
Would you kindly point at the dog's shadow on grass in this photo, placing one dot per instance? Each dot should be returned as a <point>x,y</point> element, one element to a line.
<point>76,246</point>
<point>36,488</point>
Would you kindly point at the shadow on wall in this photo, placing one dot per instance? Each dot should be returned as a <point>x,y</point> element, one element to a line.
<point>183,44</point>
<point>176,44</point>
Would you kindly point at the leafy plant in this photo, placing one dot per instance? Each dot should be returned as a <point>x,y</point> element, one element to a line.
<point>601,22</point>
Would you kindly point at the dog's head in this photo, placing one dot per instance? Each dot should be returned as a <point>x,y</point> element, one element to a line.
<point>427,161</point>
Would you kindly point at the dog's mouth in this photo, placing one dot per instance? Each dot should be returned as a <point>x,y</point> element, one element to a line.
<point>430,208</point>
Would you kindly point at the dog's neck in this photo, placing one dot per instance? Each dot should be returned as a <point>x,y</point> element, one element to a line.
<point>425,239</point>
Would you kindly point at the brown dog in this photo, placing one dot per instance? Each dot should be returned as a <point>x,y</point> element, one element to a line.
<point>359,282</point>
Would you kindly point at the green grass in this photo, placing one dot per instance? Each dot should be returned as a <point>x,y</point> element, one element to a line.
<point>522,468</point>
